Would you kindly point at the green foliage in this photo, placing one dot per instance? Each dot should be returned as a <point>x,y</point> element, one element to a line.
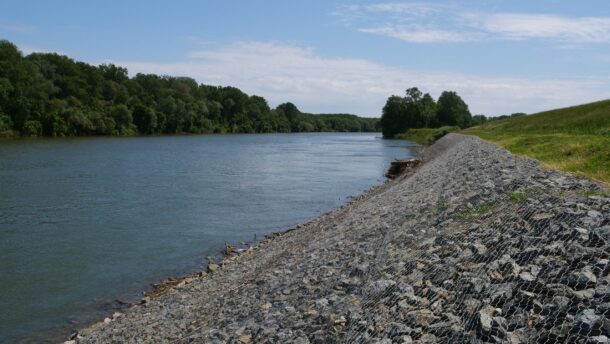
<point>452,110</point>
<point>592,118</point>
<point>478,120</point>
<point>53,95</point>
<point>393,118</point>
<point>587,193</point>
<point>426,136</point>
<point>476,211</point>
<point>518,196</point>
<point>6,125</point>
<point>32,128</point>
<point>418,110</point>
<point>524,194</point>
<point>441,206</point>
<point>574,139</point>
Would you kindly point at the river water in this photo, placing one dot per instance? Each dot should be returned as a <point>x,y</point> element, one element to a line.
<point>84,221</point>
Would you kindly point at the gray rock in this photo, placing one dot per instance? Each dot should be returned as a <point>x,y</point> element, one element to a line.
<point>589,323</point>
<point>598,340</point>
<point>381,286</point>
<point>420,317</point>
<point>581,279</point>
<point>485,317</point>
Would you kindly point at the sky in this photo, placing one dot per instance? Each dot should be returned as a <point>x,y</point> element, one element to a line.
<point>501,56</point>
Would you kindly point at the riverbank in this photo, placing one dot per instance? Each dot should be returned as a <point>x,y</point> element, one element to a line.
<point>475,243</point>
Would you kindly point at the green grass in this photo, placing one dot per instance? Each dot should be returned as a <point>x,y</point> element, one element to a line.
<point>587,193</point>
<point>476,211</point>
<point>441,206</point>
<point>574,139</point>
<point>518,196</point>
<point>522,195</point>
<point>426,136</point>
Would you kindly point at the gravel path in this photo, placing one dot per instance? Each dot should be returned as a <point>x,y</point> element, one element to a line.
<point>477,245</point>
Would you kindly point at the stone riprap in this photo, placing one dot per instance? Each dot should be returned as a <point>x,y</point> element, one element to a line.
<point>475,246</point>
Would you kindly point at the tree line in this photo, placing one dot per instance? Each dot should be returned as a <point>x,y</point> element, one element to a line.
<point>52,95</point>
<point>419,110</point>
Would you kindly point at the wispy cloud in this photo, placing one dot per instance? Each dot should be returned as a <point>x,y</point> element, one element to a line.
<point>402,8</point>
<point>283,72</point>
<point>542,26</point>
<point>431,23</point>
<point>419,35</point>
<point>399,12</point>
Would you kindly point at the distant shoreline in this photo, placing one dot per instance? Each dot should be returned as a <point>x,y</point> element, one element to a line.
<point>20,137</point>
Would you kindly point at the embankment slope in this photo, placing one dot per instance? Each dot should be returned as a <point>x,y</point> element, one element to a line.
<point>475,244</point>
<point>574,139</point>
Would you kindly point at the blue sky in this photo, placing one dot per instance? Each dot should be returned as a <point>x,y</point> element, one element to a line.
<point>346,56</point>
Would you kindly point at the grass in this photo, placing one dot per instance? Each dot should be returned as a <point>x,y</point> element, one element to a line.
<point>476,211</point>
<point>441,206</point>
<point>522,195</point>
<point>574,139</point>
<point>587,193</point>
<point>518,196</point>
<point>426,136</point>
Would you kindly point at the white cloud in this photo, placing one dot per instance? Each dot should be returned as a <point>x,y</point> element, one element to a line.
<point>402,8</point>
<point>427,23</point>
<point>315,83</point>
<point>542,26</point>
<point>416,35</point>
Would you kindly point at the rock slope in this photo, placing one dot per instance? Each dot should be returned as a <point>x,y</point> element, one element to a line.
<point>475,246</point>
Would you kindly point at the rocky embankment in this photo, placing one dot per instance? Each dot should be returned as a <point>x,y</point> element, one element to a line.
<point>476,245</point>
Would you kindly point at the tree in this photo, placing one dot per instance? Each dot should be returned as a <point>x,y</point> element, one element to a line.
<point>122,117</point>
<point>291,112</point>
<point>452,110</point>
<point>414,110</point>
<point>393,120</point>
<point>428,111</point>
<point>5,123</point>
<point>145,119</point>
<point>478,120</point>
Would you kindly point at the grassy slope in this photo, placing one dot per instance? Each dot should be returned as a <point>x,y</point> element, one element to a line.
<point>574,139</point>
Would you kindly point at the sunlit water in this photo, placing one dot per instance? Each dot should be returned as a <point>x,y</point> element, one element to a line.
<point>83,221</point>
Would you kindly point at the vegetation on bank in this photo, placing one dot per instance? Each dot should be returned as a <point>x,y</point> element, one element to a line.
<point>53,95</point>
<point>426,136</point>
<point>419,110</point>
<point>574,139</point>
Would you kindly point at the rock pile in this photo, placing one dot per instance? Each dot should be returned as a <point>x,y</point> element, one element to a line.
<point>400,166</point>
<point>476,246</point>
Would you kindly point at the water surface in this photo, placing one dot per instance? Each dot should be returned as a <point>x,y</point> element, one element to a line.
<point>87,220</point>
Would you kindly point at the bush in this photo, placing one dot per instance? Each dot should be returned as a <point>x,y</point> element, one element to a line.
<point>427,136</point>
<point>440,132</point>
<point>32,128</point>
<point>5,123</point>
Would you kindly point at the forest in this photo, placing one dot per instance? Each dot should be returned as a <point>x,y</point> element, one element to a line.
<point>47,94</point>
